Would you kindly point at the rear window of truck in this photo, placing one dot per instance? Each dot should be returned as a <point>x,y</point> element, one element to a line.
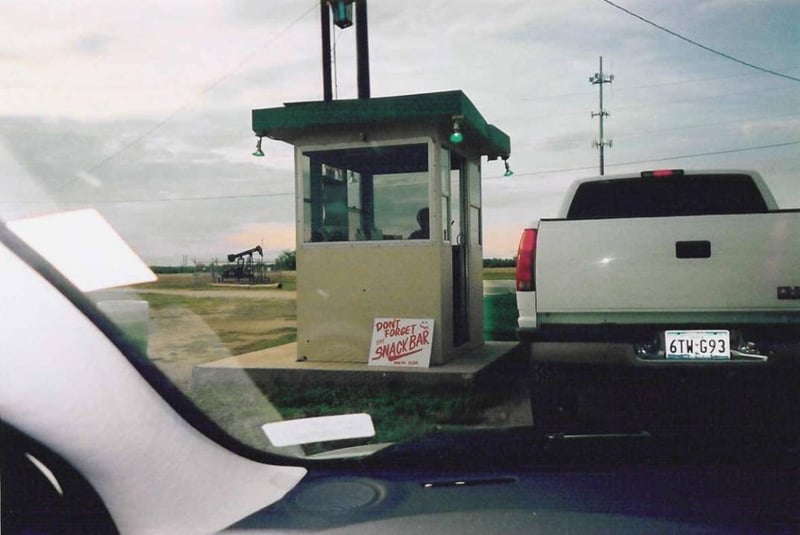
<point>667,196</point>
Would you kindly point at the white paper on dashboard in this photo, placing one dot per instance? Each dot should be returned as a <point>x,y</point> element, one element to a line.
<point>319,429</point>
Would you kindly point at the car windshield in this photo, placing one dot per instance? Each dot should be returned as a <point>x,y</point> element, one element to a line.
<point>352,253</point>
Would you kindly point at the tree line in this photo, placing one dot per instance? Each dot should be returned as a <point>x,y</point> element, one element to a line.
<point>287,261</point>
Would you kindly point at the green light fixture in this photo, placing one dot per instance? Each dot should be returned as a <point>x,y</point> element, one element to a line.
<point>508,172</point>
<point>456,137</point>
<point>342,13</point>
<point>258,152</point>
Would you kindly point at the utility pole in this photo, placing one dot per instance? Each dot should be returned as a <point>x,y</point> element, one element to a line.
<point>599,79</point>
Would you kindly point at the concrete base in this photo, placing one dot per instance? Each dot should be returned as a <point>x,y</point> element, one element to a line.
<point>280,364</point>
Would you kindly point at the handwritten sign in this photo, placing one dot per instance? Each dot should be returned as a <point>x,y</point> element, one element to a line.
<point>401,342</point>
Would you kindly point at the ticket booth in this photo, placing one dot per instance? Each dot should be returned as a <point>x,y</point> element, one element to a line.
<point>388,213</point>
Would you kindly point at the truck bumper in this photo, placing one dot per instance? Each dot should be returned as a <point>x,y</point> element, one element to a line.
<point>642,345</point>
<point>526,311</point>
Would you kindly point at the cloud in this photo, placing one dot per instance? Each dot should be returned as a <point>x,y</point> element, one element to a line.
<point>501,240</point>
<point>165,196</point>
<point>568,141</point>
<point>92,44</point>
<point>273,237</point>
<point>771,128</point>
<point>727,5</point>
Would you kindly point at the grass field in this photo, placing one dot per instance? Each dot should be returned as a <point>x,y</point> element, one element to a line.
<point>499,273</point>
<point>193,321</point>
<point>202,281</point>
<point>242,324</point>
<point>242,409</point>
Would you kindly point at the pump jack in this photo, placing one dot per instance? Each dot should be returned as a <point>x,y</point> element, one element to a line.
<point>241,266</point>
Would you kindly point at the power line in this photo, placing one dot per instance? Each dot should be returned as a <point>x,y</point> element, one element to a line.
<point>532,173</point>
<point>640,133</point>
<point>700,45</point>
<point>743,121</point>
<point>548,171</point>
<point>663,159</point>
<point>522,118</point>
<point>204,91</point>
<point>116,202</point>
<point>192,199</point>
<point>636,87</point>
<point>100,202</point>
<point>712,153</point>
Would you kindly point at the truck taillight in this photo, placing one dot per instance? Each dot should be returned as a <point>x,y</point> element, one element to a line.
<point>526,261</point>
<point>659,173</point>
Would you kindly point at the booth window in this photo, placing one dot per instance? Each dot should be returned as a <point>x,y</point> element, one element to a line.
<point>475,227</point>
<point>444,162</point>
<point>366,193</point>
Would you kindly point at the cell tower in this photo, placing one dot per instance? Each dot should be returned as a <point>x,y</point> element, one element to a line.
<point>600,79</point>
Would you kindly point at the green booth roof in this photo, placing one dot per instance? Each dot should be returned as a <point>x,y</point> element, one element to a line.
<point>293,119</point>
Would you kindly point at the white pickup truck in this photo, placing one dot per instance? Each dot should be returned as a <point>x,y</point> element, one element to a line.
<point>662,267</point>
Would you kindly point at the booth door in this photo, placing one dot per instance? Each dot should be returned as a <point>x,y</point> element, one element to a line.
<point>460,241</point>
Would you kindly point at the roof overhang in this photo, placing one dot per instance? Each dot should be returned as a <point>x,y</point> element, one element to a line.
<point>293,120</point>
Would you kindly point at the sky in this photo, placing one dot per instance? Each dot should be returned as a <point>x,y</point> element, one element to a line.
<point>142,109</point>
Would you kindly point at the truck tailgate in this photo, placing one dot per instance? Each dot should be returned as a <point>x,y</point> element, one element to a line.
<point>720,263</point>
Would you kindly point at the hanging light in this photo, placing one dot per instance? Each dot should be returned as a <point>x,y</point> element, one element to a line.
<point>342,13</point>
<point>456,137</point>
<point>508,172</point>
<point>258,152</point>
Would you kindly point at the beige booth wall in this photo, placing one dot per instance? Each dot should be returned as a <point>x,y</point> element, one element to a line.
<point>344,287</point>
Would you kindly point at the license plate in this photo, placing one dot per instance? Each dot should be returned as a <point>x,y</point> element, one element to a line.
<point>700,345</point>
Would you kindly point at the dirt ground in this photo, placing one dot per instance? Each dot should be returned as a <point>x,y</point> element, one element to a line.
<point>182,335</point>
<point>244,293</point>
<point>180,338</point>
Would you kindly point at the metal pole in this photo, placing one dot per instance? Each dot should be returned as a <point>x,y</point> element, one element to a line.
<point>327,79</point>
<point>362,49</point>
